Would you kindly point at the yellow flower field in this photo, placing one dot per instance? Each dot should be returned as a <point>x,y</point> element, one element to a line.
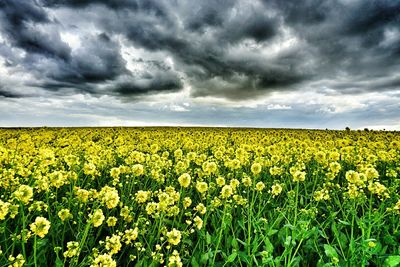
<point>199,197</point>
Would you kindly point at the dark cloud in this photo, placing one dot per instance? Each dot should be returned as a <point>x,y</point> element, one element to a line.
<point>146,85</point>
<point>5,92</point>
<point>227,48</point>
<point>98,60</point>
<point>150,6</point>
<point>19,21</point>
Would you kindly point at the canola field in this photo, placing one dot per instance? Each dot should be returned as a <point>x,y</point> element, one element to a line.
<point>199,197</point>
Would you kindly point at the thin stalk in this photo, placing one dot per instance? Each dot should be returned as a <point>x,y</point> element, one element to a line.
<point>219,236</point>
<point>34,252</point>
<point>23,232</point>
<point>297,200</point>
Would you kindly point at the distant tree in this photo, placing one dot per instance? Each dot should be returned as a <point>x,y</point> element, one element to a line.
<point>347,128</point>
<point>366,129</point>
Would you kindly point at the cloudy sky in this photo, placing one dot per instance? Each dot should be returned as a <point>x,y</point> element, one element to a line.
<point>260,63</point>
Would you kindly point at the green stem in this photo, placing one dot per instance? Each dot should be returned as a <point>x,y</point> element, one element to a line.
<point>34,252</point>
<point>82,243</point>
<point>297,200</point>
<point>219,236</point>
<point>352,231</point>
<point>249,212</point>
<point>23,231</point>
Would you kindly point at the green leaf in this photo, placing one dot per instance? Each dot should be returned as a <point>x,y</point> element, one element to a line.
<point>242,242</point>
<point>140,263</point>
<point>330,251</point>
<point>344,222</point>
<point>244,257</point>
<point>392,261</point>
<point>194,262</point>
<point>204,258</point>
<point>268,245</point>
<point>234,243</point>
<point>272,232</point>
<point>232,257</point>
<point>59,262</point>
<point>208,238</point>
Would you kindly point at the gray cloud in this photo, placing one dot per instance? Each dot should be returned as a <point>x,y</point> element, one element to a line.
<point>227,49</point>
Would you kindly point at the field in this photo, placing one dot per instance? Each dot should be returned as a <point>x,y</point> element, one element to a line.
<point>199,197</point>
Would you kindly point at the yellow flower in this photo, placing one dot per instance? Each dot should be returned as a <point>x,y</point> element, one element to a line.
<point>322,194</point>
<point>72,247</point>
<point>24,194</point>
<point>109,196</point>
<point>114,173</point>
<point>226,191</point>
<point>130,235</point>
<point>335,167</point>
<point>113,244</point>
<point>187,202</point>
<point>40,227</point>
<point>201,208</point>
<point>18,261</point>
<point>111,221</point>
<point>371,173</point>
<point>174,236</point>
<point>246,181</point>
<point>174,260</point>
<point>142,196</point>
<point>234,183</point>
<point>335,156</point>
<point>256,168</point>
<point>299,176</point>
<point>353,177</point>
<point>90,169</point>
<point>4,206</point>
<point>198,221</point>
<point>97,218</point>
<point>260,186</point>
<point>103,260</point>
<point>220,181</point>
<point>138,169</point>
<point>210,167</point>
<point>371,244</point>
<point>64,214</point>
<point>353,191</point>
<point>178,153</point>
<point>275,170</point>
<point>202,187</point>
<point>82,195</point>
<point>125,213</point>
<point>151,208</point>
<point>276,189</point>
<point>184,180</point>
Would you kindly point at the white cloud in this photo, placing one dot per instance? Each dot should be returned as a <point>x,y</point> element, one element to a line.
<point>72,39</point>
<point>278,107</point>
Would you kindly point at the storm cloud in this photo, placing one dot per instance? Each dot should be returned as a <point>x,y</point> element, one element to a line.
<point>228,50</point>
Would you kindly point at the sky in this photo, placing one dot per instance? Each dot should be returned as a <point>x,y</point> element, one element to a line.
<point>260,63</point>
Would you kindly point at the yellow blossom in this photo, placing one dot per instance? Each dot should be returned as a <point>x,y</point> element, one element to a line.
<point>104,260</point>
<point>174,236</point>
<point>97,218</point>
<point>276,189</point>
<point>202,187</point>
<point>256,168</point>
<point>24,194</point>
<point>40,227</point>
<point>260,186</point>
<point>64,214</point>
<point>184,180</point>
